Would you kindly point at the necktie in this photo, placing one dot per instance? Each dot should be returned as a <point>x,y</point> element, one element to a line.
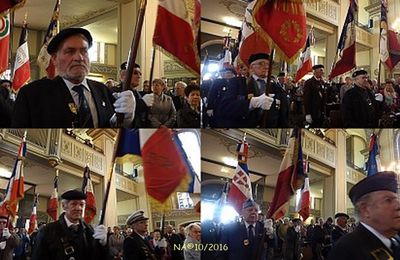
<point>394,245</point>
<point>261,85</point>
<point>251,234</point>
<point>74,228</point>
<point>84,115</point>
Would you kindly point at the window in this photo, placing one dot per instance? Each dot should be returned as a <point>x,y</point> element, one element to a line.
<point>184,200</point>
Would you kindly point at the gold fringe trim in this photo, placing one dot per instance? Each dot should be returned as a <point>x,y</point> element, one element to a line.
<point>279,52</point>
<point>173,57</point>
<point>166,205</point>
<point>19,5</point>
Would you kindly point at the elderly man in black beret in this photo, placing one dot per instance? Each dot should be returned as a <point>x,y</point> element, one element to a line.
<point>71,99</point>
<point>340,229</point>
<point>377,205</point>
<point>6,103</point>
<point>315,97</point>
<point>358,108</point>
<point>70,237</point>
<point>136,246</point>
<point>245,240</point>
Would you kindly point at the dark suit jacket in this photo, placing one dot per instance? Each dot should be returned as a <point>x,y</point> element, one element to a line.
<point>46,104</point>
<point>360,244</point>
<point>337,233</point>
<point>235,236</point>
<point>314,100</point>
<point>49,245</point>
<point>358,108</point>
<point>175,242</point>
<point>137,248</point>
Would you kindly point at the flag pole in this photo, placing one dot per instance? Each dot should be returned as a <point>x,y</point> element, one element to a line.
<point>132,53</point>
<point>268,86</point>
<point>107,193</point>
<point>153,58</point>
<point>10,63</point>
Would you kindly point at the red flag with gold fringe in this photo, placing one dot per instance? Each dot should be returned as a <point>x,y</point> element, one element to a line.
<point>6,5</point>
<point>283,25</point>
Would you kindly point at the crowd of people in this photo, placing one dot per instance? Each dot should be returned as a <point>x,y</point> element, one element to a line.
<point>73,100</point>
<point>242,98</point>
<point>71,238</point>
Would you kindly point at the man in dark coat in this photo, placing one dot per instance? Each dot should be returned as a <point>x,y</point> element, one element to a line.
<point>70,237</point>
<point>315,98</point>
<point>339,229</point>
<point>377,205</point>
<point>175,242</point>
<point>244,240</point>
<point>293,241</point>
<point>242,105</point>
<point>6,103</point>
<point>136,246</point>
<point>358,106</point>
<point>71,100</point>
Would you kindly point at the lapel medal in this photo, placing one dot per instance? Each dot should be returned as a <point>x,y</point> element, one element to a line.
<point>103,104</point>
<point>246,242</point>
<point>73,108</point>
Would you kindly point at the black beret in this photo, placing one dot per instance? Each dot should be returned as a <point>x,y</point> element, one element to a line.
<point>124,65</point>
<point>258,56</point>
<point>281,74</point>
<point>341,214</point>
<point>249,203</point>
<point>359,72</point>
<point>379,181</point>
<point>318,66</point>
<point>296,220</point>
<point>190,88</point>
<point>5,80</point>
<point>73,195</point>
<point>64,34</point>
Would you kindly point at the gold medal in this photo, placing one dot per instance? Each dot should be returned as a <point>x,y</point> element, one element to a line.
<point>246,242</point>
<point>73,108</point>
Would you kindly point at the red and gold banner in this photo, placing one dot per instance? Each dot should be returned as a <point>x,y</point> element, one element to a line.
<point>283,25</point>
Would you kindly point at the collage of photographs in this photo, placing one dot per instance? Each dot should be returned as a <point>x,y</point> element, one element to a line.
<point>199,130</point>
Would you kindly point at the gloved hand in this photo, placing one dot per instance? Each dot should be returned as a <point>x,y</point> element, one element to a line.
<point>264,102</point>
<point>148,99</point>
<point>309,119</point>
<point>100,233</point>
<point>379,97</point>
<point>268,225</point>
<point>3,245</point>
<point>210,112</point>
<point>6,233</point>
<point>125,104</point>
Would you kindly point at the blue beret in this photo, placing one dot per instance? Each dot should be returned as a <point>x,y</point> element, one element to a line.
<point>64,34</point>
<point>379,181</point>
<point>73,195</point>
<point>258,56</point>
<point>249,203</point>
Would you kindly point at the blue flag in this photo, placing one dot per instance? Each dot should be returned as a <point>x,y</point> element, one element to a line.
<point>372,166</point>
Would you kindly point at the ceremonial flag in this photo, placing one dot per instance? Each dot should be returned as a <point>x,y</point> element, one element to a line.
<point>15,188</point>
<point>282,24</point>
<point>240,188</point>
<point>177,17</point>
<point>291,176</point>
<point>166,166</point>
<point>52,204</point>
<point>22,69</point>
<point>389,41</point>
<point>4,42</point>
<point>305,62</point>
<point>33,218</point>
<point>303,208</point>
<point>346,52</point>
<point>44,58</point>
<point>251,42</point>
<point>87,188</point>
<point>372,163</point>
<point>226,61</point>
<point>6,5</point>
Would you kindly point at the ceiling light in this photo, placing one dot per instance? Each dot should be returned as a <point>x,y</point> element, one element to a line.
<point>5,173</point>
<point>229,161</point>
<point>232,21</point>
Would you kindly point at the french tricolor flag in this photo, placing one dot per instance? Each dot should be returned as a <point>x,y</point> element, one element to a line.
<point>305,63</point>
<point>346,55</point>
<point>22,68</point>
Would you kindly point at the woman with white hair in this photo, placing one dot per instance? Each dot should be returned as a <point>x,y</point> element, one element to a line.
<point>191,248</point>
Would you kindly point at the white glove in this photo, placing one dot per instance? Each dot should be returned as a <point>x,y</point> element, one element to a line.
<point>379,97</point>
<point>6,233</point>
<point>12,96</point>
<point>264,102</point>
<point>148,99</point>
<point>125,104</point>
<point>308,119</point>
<point>100,233</point>
<point>210,112</point>
<point>2,245</point>
<point>162,242</point>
